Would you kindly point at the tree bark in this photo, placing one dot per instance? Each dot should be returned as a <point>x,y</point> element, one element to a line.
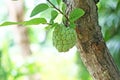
<point>92,48</point>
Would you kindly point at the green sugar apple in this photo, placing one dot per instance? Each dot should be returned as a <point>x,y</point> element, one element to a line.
<point>64,38</point>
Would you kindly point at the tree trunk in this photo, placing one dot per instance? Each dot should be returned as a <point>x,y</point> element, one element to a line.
<point>16,14</point>
<point>93,50</point>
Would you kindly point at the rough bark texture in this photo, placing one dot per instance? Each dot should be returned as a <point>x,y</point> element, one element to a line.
<point>93,50</point>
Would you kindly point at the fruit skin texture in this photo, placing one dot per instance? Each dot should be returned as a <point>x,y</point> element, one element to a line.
<point>64,38</point>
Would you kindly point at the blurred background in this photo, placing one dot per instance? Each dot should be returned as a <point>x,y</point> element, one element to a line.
<point>27,53</point>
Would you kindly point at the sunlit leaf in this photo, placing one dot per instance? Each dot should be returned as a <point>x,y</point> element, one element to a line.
<point>54,14</point>
<point>58,2</point>
<point>39,8</point>
<point>76,14</point>
<point>48,27</point>
<point>51,26</point>
<point>63,7</point>
<point>35,21</point>
<point>9,23</point>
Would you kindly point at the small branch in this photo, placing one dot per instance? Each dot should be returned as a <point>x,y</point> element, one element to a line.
<point>59,10</point>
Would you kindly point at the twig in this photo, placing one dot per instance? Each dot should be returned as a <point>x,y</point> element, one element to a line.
<point>59,10</point>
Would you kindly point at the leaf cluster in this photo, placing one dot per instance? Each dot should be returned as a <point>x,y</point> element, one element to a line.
<point>57,9</point>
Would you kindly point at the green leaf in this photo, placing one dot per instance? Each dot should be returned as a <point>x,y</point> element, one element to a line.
<point>54,25</point>
<point>63,7</point>
<point>35,21</point>
<point>39,8</point>
<point>9,23</point>
<point>76,14</point>
<point>72,25</point>
<point>49,27</point>
<point>58,2</point>
<point>54,14</point>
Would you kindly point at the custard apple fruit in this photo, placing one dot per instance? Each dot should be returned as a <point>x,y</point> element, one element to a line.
<point>64,38</point>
